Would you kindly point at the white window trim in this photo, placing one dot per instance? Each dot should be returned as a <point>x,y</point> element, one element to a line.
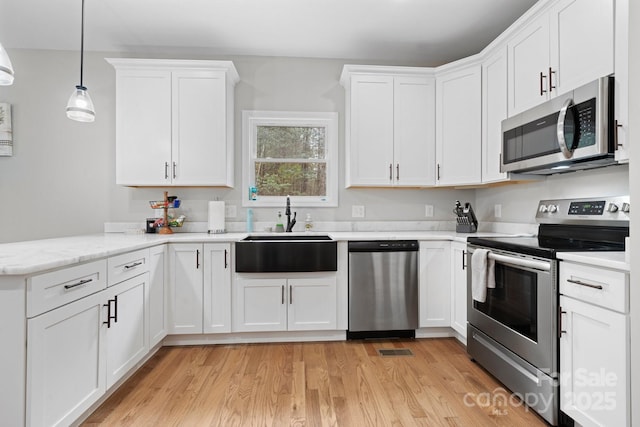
<point>251,119</point>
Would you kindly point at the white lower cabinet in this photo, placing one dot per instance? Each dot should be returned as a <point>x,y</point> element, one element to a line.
<point>594,345</point>
<point>157,294</point>
<point>126,344</point>
<point>435,284</point>
<point>66,363</point>
<point>200,288</point>
<point>459,288</point>
<point>285,303</point>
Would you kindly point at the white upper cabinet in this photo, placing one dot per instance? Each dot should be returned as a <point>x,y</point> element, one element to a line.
<point>459,126</point>
<point>389,126</point>
<point>494,111</point>
<point>569,45</point>
<point>174,122</point>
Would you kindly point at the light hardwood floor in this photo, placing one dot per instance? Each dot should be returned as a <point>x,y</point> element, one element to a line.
<point>313,384</point>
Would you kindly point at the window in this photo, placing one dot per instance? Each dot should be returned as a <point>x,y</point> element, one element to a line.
<point>290,154</point>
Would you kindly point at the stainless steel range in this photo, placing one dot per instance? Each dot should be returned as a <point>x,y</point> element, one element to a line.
<point>513,333</point>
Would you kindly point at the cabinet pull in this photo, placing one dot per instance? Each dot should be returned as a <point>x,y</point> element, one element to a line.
<point>438,175</point>
<point>226,264</point>
<point>581,283</point>
<point>542,89</point>
<point>290,295</point>
<point>464,258</point>
<point>80,283</point>
<point>109,316</point>
<point>166,170</point>
<point>197,258</point>
<point>282,294</point>
<point>174,170</point>
<point>390,171</point>
<point>115,309</point>
<point>397,171</point>
<point>134,265</point>
<point>560,330</point>
<point>551,86</point>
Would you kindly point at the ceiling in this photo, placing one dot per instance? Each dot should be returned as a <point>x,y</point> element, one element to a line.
<point>404,32</point>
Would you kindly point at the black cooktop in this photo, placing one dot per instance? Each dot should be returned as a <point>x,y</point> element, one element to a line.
<point>554,238</point>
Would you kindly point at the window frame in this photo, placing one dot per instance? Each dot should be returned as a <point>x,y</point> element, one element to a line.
<point>252,119</point>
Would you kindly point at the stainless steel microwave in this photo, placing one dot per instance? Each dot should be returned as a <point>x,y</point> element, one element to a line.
<point>569,132</point>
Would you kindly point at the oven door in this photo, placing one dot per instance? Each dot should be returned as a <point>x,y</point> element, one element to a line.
<point>521,311</point>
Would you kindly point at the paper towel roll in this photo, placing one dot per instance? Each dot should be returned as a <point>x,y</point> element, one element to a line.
<point>216,217</point>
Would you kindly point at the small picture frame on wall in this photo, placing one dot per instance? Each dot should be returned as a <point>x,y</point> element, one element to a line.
<point>6,135</point>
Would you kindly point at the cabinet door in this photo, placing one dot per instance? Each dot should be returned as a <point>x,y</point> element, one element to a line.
<point>414,148</point>
<point>126,342</point>
<point>65,363</point>
<point>458,127</point>
<point>217,288</point>
<point>494,111</point>
<point>185,288</point>
<point>579,56</point>
<point>260,305</point>
<point>594,364</point>
<point>528,54</point>
<point>143,127</point>
<point>157,295</point>
<point>370,146</point>
<point>459,288</point>
<point>435,284</point>
<point>199,142</point>
<point>312,304</point>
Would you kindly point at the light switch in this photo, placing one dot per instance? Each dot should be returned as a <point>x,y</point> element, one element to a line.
<point>497,211</point>
<point>357,211</point>
<point>428,211</point>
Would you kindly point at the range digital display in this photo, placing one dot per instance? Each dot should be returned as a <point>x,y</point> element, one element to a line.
<point>587,208</point>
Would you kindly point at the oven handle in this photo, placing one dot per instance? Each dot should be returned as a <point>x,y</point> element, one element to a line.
<point>520,262</point>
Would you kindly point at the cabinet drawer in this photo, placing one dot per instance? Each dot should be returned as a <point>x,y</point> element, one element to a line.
<point>599,286</point>
<point>54,289</point>
<point>126,266</point>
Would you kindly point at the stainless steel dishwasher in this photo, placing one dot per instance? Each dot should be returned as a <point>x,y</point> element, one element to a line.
<point>383,289</point>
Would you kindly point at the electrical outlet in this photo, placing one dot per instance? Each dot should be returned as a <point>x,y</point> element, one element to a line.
<point>230,211</point>
<point>357,211</point>
<point>428,211</point>
<point>497,211</point>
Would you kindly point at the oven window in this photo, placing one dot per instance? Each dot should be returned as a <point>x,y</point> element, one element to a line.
<point>513,301</point>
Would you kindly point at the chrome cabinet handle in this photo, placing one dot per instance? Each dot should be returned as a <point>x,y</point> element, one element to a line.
<point>174,170</point>
<point>438,175</point>
<point>560,330</point>
<point>282,294</point>
<point>134,265</point>
<point>226,264</point>
<point>551,86</point>
<point>397,171</point>
<point>166,170</point>
<point>464,258</point>
<point>542,89</point>
<point>197,258</point>
<point>290,294</point>
<point>615,135</point>
<point>581,283</point>
<point>390,172</point>
<point>80,283</point>
<point>562,142</point>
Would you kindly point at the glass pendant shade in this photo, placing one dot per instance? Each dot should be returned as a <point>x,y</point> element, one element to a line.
<point>6,69</point>
<point>80,106</point>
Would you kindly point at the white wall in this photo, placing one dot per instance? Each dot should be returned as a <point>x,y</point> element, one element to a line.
<point>60,180</point>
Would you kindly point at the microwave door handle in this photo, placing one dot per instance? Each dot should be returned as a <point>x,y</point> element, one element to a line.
<point>562,142</point>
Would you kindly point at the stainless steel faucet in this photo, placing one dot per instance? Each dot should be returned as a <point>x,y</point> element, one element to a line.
<point>287,212</point>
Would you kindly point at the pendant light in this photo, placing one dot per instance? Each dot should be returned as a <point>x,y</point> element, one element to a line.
<point>6,69</point>
<point>80,106</point>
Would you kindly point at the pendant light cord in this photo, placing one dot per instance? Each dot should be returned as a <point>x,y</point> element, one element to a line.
<point>82,44</point>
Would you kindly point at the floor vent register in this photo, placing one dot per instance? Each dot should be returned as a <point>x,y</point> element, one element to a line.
<point>394,352</point>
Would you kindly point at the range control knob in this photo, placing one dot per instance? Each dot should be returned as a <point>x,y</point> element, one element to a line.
<point>552,208</point>
<point>625,207</point>
<point>612,207</point>
<point>542,209</point>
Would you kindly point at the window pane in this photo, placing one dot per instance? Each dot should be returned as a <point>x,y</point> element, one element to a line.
<point>290,142</point>
<point>293,179</point>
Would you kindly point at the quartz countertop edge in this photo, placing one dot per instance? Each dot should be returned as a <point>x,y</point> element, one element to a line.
<point>36,256</point>
<point>614,260</point>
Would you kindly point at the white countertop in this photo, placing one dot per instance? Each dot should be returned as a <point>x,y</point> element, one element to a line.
<point>39,255</point>
<point>615,260</point>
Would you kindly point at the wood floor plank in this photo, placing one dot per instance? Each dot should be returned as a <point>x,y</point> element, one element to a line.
<point>313,384</point>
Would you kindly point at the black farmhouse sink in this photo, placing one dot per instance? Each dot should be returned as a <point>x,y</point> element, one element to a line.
<point>286,253</point>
